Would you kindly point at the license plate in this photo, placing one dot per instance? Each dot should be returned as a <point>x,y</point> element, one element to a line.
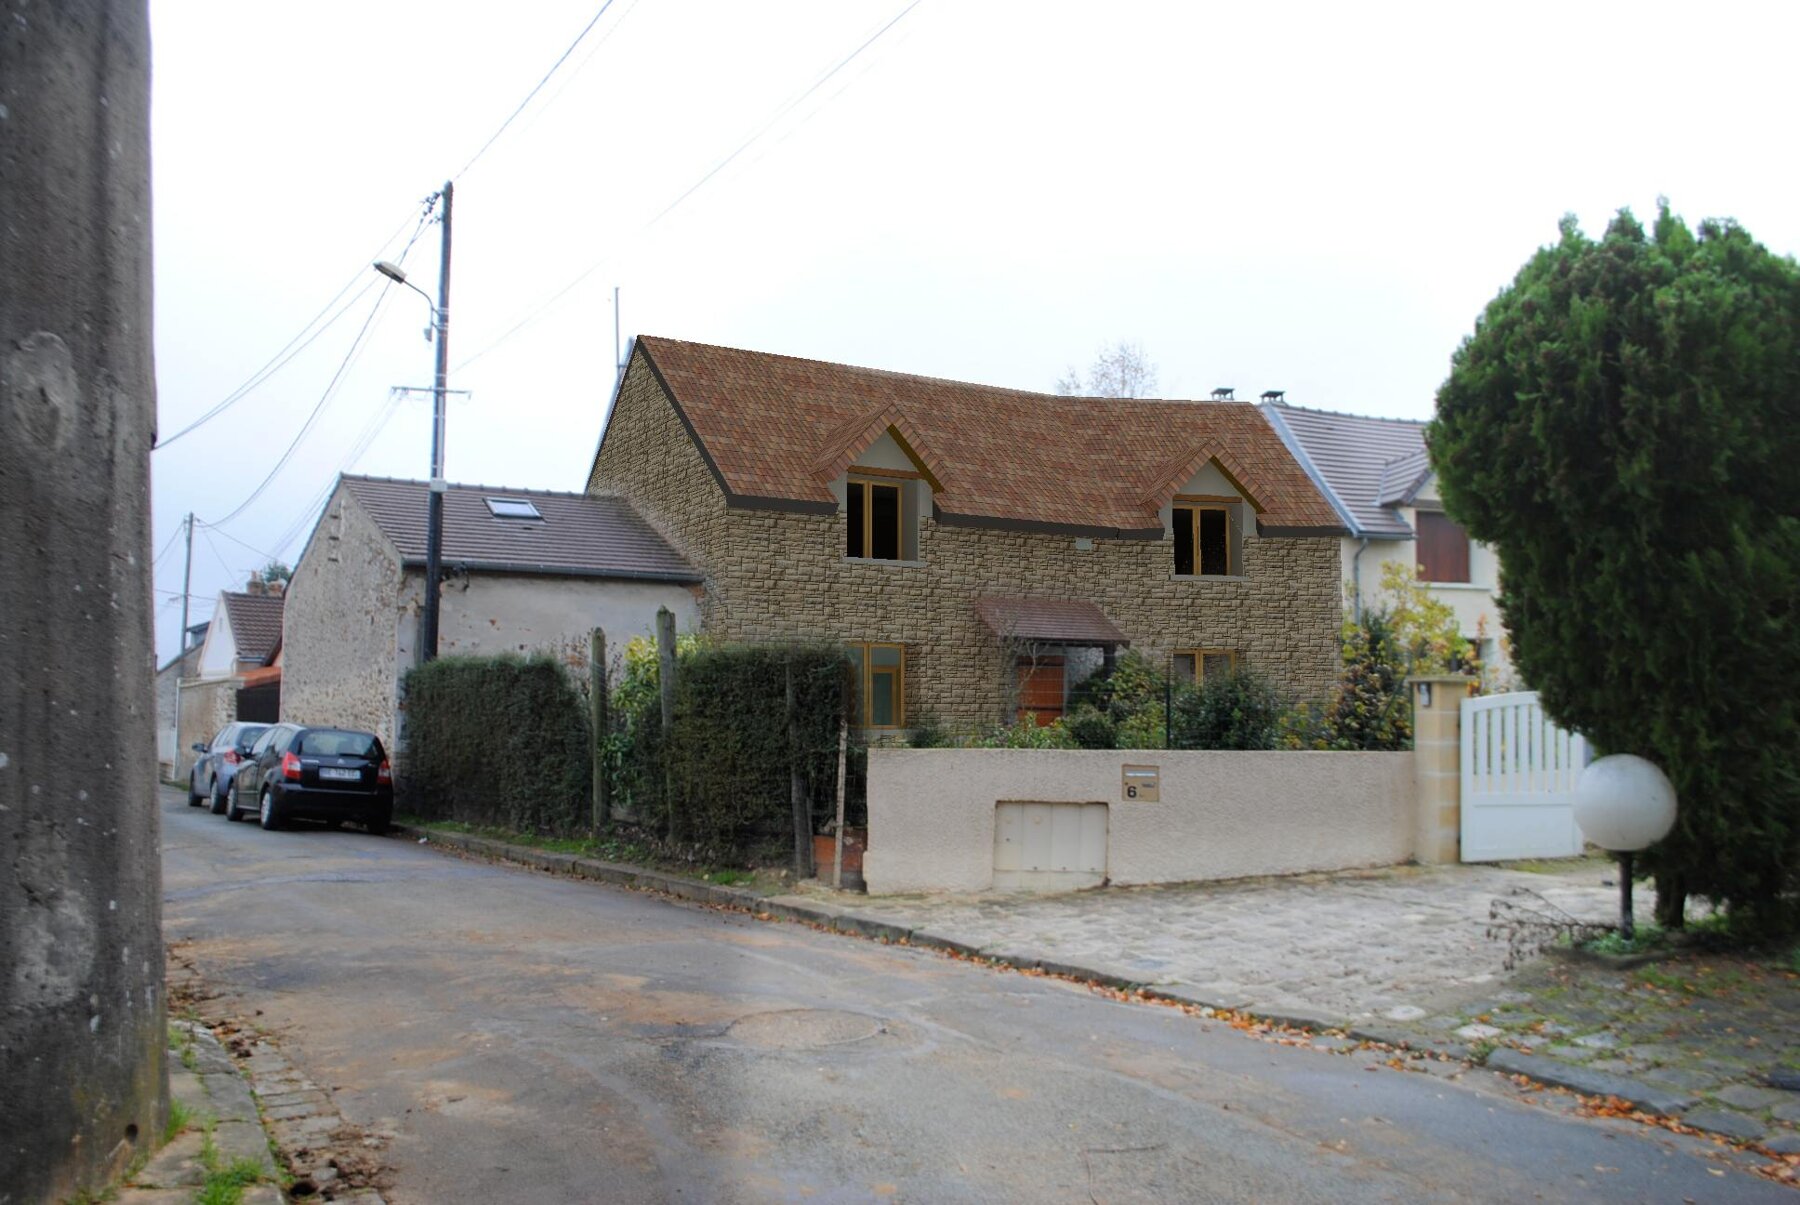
<point>343,775</point>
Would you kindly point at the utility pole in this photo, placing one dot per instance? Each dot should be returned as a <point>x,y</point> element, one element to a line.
<point>187,574</point>
<point>434,519</point>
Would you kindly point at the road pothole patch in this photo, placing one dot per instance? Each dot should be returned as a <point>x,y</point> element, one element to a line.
<point>804,1029</point>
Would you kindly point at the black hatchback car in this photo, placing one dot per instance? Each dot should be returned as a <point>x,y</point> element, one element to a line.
<point>302,773</point>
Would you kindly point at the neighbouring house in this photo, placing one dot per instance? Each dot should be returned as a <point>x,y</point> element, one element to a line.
<point>1378,478</point>
<point>240,639</point>
<point>168,678</point>
<point>522,571</point>
<point>979,550</point>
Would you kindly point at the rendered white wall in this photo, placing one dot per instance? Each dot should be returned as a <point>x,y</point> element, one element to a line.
<point>1221,815</point>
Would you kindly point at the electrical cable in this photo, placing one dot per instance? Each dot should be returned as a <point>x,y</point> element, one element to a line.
<point>337,377</point>
<point>240,543</point>
<point>718,167</point>
<point>303,339</point>
<point>536,88</point>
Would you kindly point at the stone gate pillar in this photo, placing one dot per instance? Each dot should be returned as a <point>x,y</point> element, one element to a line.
<point>1437,766</point>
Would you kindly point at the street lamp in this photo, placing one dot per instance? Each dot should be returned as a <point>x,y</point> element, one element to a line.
<point>1623,804</point>
<point>434,515</point>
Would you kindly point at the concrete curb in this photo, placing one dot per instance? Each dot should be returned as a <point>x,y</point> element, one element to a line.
<point>840,919</point>
<point>1663,1102</point>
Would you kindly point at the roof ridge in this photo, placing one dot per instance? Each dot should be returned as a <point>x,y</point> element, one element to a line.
<point>917,376</point>
<point>473,487</point>
<point>1373,418</point>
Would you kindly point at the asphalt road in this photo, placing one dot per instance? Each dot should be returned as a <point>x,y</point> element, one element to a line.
<point>533,1039</point>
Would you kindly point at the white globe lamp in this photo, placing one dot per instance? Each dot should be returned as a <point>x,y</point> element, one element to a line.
<point>1624,804</point>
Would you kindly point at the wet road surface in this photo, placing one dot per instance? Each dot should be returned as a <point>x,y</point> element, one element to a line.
<point>535,1039</point>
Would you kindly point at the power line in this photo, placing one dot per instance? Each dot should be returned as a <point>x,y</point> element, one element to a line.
<point>306,516</point>
<point>536,88</point>
<point>240,543</point>
<point>350,356</point>
<point>711,172</point>
<point>304,339</point>
<point>168,544</point>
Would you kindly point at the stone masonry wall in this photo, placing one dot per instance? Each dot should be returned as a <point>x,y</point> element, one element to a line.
<point>775,575</point>
<point>337,660</point>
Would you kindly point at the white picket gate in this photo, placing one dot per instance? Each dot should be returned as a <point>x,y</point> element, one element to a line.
<point>1518,779</point>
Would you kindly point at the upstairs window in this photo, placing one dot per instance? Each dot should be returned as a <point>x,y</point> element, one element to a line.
<point>880,685</point>
<point>1203,540</point>
<point>1443,547</point>
<point>873,520</point>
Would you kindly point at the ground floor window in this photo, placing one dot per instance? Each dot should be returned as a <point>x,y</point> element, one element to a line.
<point>880,685</point>
<point>1197,665</point>
<point>1042,688</point>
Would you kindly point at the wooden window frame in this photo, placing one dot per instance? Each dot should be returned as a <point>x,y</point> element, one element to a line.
<point>864,479</point>
<point>866,679</point>
<point>1196,503</point>
<point>1200,656</point>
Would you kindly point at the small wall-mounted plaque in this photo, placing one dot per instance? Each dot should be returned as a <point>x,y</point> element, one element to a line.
<point>1141,784</point>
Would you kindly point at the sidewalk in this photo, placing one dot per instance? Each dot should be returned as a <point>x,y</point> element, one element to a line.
<point>1393,944</point>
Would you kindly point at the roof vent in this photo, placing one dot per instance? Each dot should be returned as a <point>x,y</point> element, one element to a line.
<point>512,508</point>
<point>1274,395</point>
<point>1223,393</point>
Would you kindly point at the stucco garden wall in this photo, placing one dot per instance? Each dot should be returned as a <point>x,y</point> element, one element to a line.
<point>206,707</point>
<point>1222,815</point>
<point>778,575</point>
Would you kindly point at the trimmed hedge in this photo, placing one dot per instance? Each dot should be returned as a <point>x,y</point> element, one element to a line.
<point>500,741</point>
<point>721,783</point>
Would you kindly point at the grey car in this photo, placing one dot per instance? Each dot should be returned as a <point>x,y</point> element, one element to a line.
<point>218,763</point>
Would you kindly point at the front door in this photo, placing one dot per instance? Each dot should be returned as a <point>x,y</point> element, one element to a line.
<point>1042,690</point>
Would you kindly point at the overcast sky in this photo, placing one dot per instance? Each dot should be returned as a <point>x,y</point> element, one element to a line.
<point>1316,199</point>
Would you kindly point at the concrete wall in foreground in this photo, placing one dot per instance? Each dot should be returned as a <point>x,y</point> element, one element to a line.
<point>1221,815</point>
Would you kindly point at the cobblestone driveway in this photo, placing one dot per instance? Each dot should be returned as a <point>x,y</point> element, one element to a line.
<point>1396,944</point>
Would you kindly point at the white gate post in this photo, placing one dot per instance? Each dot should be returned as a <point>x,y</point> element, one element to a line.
<point>1437,766</point>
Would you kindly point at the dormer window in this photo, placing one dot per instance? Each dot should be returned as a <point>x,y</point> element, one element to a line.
<point>1206,540</point>
<point>512,508</point>
<point>874,519</point>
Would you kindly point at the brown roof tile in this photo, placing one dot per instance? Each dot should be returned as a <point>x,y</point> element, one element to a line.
<point>780,428</point>
<point>1059,620</point>
<point>255,623</point>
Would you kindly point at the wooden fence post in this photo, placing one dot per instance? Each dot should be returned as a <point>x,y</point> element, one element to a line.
<point>598,722</point>
<point>665,674</point>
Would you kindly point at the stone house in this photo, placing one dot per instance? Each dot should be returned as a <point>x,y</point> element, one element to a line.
<point>241,637</point>
<point>1378,479</point>
<point>522,571</point>
<point>979,550</point>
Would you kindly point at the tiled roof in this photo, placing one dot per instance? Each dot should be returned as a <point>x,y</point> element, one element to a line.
<point>255,623</point>
<point>1058,620</point>
<point>777,430</point>
<point>1368,464</point>
<point>577,536</point>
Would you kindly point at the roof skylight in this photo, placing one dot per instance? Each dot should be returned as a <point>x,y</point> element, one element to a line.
<point>512,508</point>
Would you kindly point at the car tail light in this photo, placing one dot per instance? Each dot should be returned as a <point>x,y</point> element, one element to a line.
<point>231,757</point>
<point>385,773</point>
<point>290,767</point>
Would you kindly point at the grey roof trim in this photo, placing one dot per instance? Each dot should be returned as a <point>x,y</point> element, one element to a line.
<point>1299,532</point>
<point>1271,411</point>
<point>524,570</point>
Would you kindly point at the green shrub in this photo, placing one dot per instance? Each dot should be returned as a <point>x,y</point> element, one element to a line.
<point>499,741</point>
<point>1239,710</point>
<point>720,783</point>
<point>1091,728</point>
<point>928,733</point>
<point>1027,733</point>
